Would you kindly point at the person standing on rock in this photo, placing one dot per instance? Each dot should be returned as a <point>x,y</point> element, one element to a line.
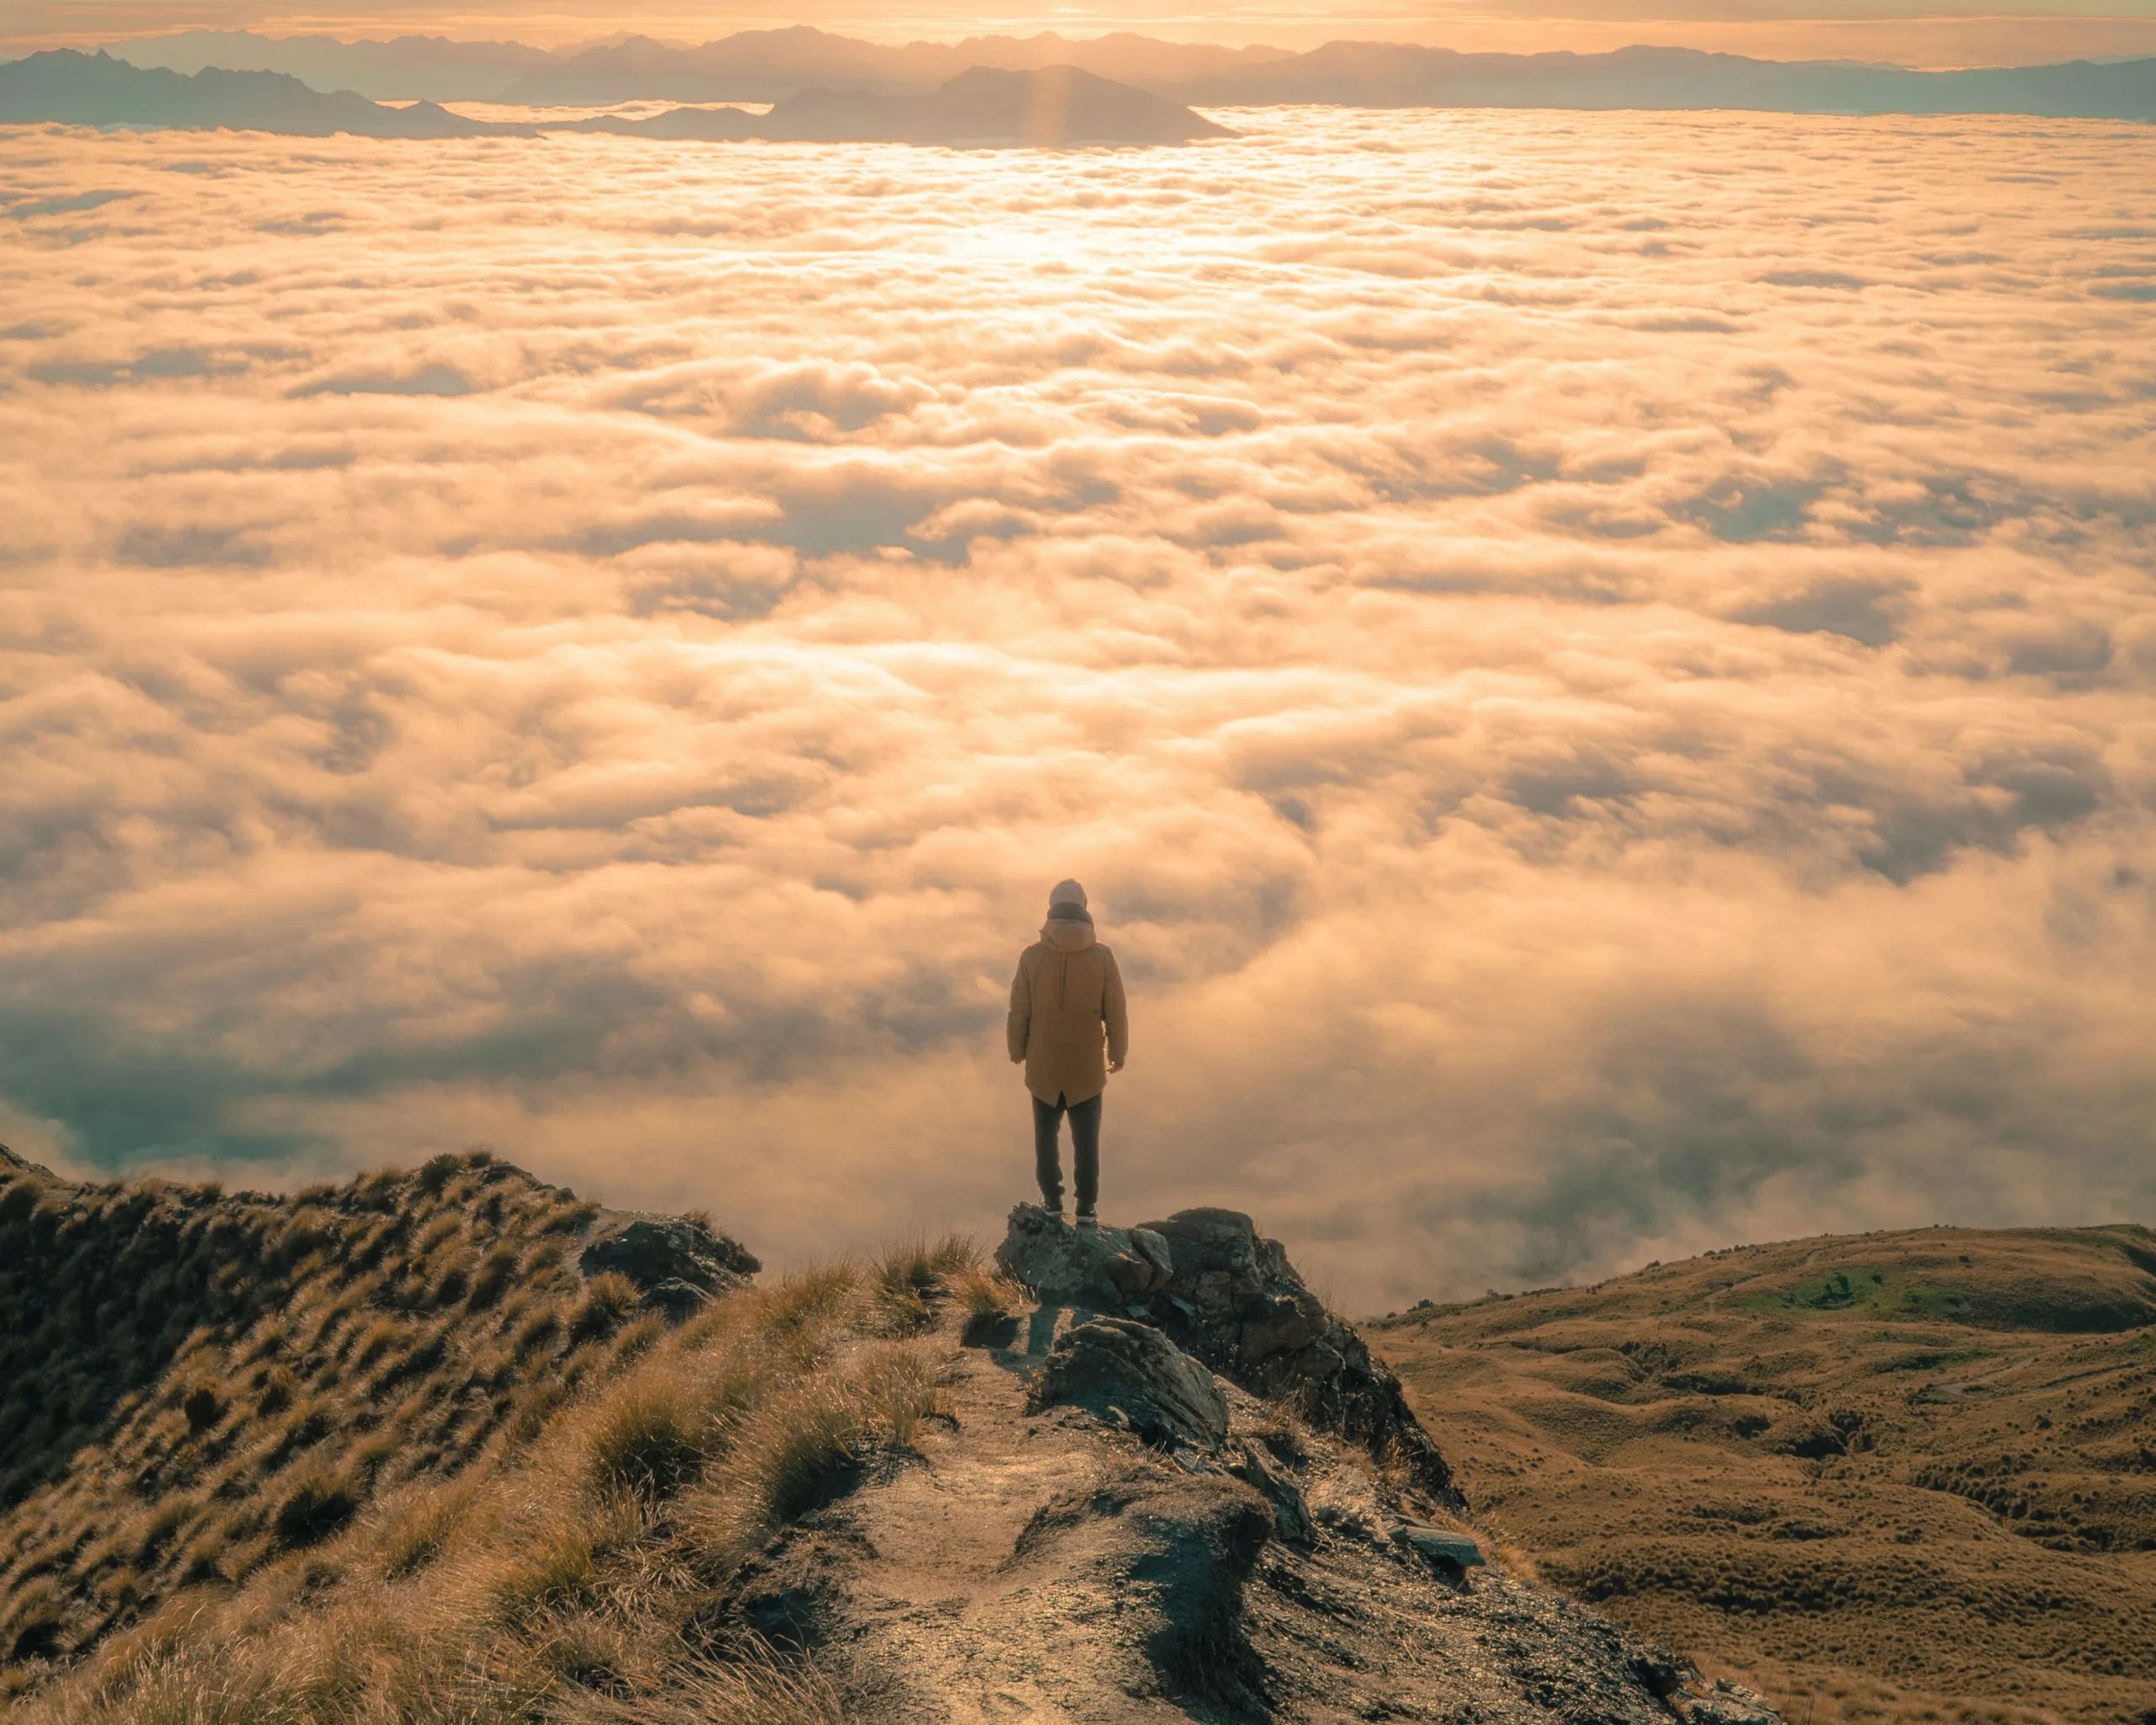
<point>1069,1029</point>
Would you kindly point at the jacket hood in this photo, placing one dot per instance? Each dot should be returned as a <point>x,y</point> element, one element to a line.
<point>1067,934</point>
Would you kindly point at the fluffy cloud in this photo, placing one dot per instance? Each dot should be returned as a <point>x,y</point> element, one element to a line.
<point>1596,668</point>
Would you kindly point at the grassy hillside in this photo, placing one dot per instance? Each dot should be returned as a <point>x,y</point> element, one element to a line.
<point>1904,1476</point>
<point>425,1471</point>
<point>193,1385</point>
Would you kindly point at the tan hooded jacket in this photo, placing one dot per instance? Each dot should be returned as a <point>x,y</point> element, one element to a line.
<point>1067,1007</point>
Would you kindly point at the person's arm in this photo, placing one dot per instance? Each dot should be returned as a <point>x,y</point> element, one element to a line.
<point>1117,1014</point>
<point>1019,1025</point>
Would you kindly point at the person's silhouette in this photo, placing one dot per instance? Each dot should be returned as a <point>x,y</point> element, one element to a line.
<point>1069,1029</point>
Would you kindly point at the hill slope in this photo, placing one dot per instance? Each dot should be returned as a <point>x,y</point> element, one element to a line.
<point>1894,1475</point>
<point>193,1385</point>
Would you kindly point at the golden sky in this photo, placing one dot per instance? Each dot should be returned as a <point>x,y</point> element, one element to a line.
<point>1597,670</point>
<point>1870,29</point>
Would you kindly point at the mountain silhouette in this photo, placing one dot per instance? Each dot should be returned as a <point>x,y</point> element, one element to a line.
<point>751,65</point>
<point>773,65</point>
<point>404,68</point>
<point>1053,105</point>
<point>96,89</point>
<point>1057,104</point>
<point>1389,75</point>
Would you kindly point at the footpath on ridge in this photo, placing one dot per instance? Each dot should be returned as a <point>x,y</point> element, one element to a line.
<point>1170,1485</point>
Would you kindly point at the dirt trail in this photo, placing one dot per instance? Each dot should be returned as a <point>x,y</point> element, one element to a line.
<point>1048,1566</point>
<point>942,1592</point>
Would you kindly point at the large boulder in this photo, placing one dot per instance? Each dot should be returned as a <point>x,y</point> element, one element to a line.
<point>1132,1374</point>
<point>1090,1269</point>
<point>1255,1466</point>
<point>1452,1552</point>
<point>1222,1292</point>
<point>677,1263</point>
<point>1236,1303</point>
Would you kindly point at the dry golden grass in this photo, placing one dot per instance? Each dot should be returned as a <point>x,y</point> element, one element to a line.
<point>193,1383</point>
<point>985,1294</point>
<point>560,1575</point>
<point>1900,1477</point>
<point>909,1272</point>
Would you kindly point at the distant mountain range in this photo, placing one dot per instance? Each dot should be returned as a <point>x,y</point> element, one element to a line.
<point>770,66</point>
<point>1387,75</point>
<point>1053,105</point>
<point>427,68</point>
<point>755,66</point>
<point>95,89</point>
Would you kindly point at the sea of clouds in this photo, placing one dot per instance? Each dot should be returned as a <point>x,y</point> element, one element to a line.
<point>1598,670</point>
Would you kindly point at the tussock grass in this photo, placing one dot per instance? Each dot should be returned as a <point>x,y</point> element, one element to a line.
<point>1848,1465</point>
<point>559,1576</point>
<point>983,1294</point>
<point>808,1441</point>
<point>417,1527</point>
<point>609,1299</point>
<point>652,1436</point>
<point>279,1388</point>
<point>316,1506</point>
<point>756,1690</point>
<point>558,1567</point>
<point>180,1345</point>
<point>907,1277</point>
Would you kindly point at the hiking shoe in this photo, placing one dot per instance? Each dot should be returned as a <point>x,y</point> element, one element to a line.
<point>1086,1218</point>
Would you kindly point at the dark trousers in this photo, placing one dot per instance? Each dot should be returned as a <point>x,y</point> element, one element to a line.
<point>1085,1149</point>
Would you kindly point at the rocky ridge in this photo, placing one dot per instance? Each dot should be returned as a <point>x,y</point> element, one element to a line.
<point>1103,1528</point>
<point>677,1264</point>
<point>1228,1297</point>
<point>1168,1485</point>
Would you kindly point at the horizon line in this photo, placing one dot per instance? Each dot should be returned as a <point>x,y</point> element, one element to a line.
<point>617,38</point>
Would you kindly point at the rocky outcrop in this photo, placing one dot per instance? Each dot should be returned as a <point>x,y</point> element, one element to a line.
<point>1252,1461</point>
<point>1132,1375</point>
<point>1093,1268</point>
<point>677,1263</point>
<point>1022,1559</point>
<point>1228,1297</point>
<point>1443,1550</point>
<point>12,1165</point>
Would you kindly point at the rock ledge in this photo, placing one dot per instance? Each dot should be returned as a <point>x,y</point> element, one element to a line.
<point>1226,1295</point>
<point>677,1263</point>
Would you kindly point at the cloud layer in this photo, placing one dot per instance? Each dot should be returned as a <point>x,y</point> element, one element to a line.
<point>1598,669</point>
